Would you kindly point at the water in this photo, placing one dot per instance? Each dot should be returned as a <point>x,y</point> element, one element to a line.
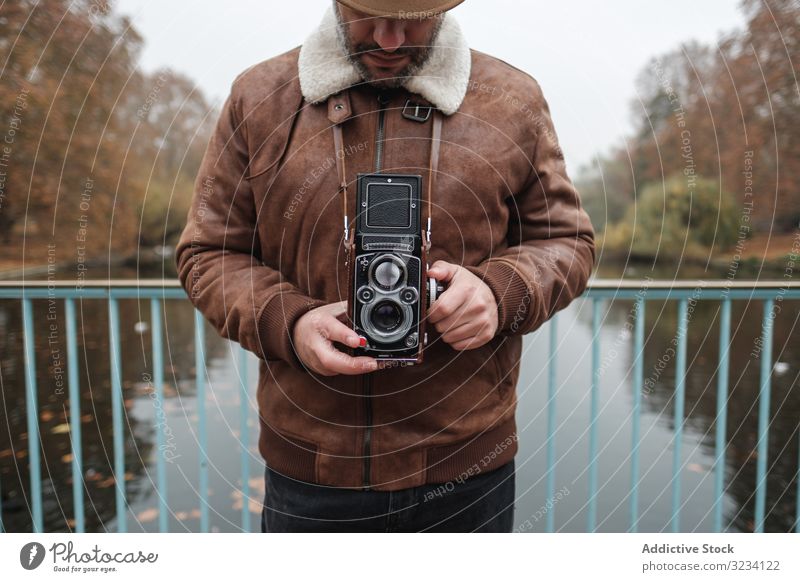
<point>569,507</point>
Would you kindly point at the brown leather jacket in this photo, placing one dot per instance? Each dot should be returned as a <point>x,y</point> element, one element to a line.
<point>263,245</point>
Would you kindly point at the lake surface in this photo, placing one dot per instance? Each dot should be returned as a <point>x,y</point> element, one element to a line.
<point>572,420</point>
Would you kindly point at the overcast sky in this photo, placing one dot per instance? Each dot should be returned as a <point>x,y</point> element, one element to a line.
<point>584,53</point>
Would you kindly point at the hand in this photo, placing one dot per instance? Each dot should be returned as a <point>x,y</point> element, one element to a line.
<point>313,336</point>
<point>466,313</point>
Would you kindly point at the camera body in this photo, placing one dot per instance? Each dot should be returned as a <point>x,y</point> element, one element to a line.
<point>389,289</point>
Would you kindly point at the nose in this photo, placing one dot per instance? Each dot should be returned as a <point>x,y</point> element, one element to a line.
<point>389,34</point>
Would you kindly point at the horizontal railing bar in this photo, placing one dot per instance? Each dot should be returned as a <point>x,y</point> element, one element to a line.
<point>64,293</point>
<point>93,283</point>
<point>593,285</point>
<point>619,290</point>
<point>756,293</point>
<point>692,284</point>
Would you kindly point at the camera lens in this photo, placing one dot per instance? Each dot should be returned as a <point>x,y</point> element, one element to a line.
<point>386,316</point>
<point>388,274</point>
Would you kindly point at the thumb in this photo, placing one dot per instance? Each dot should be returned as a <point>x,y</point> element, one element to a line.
<point>443,271</point>
<point>339,311</point>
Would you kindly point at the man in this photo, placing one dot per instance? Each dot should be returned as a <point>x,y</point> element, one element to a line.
<point>350,446</point>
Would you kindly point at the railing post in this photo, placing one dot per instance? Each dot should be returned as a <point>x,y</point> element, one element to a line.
<point>32,410</point>
<point>158,386</point>
<point>551,422</point>
<point>797,495</point>
<point>117,403</point>
<point>200,373</point>
<point>244,437</point>
<point>722,410</point>
<point>763,414</point>
<point>75,415</point>
<point>638,378</point>
<point>680,390</point>
<point>594,404</point>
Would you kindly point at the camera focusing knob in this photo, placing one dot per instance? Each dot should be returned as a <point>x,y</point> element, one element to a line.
<point>434,290</point>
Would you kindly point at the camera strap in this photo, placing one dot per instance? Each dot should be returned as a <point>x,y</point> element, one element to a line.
<point>341,170</point>
<point>433,170</point>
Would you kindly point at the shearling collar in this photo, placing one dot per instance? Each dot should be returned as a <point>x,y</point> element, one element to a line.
<point>324,69</point>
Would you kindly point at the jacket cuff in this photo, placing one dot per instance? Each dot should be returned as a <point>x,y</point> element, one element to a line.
<point>276,322</point>
<point>510,291</point>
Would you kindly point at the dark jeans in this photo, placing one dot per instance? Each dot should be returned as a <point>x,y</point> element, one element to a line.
<point>483,502</point>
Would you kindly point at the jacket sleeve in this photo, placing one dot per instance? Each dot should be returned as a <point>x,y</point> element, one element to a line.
<point>551,249</point>
<point>218,254</point>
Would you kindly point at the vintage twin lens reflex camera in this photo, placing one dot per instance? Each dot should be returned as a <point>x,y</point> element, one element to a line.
<point>390,292</point>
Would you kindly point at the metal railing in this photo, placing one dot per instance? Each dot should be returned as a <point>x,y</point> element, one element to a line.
<point>599,291</point>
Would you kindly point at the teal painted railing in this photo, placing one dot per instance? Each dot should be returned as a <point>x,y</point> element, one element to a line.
<point>599,291</point>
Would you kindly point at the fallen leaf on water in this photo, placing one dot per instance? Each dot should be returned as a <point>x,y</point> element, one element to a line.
<point>5,453</point>
<point>147,515</point>
<point>253,505</point>
<point>46,416</point>
<point>696,467</point>
<point>66,458</point>
<point>87,418</point>
<point>21,453</point>
<point>193,514</point>
<point>128,476</point>
<point>60,428</point>
<point>106,482</point>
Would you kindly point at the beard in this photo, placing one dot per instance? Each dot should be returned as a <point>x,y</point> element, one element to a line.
<point>419,55</point>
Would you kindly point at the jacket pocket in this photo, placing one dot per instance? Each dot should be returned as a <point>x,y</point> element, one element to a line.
<point>289,454</point>
<point>502,364</point>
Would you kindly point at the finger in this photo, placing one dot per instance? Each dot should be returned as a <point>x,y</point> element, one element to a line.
<point>443,271</point>
<point>340,363</point>
<point>447,304</point>
<point>460,333</point>
<point>463,313</point>
<point>335,330</point>
<point>469,344</point>
<point>337,309</point>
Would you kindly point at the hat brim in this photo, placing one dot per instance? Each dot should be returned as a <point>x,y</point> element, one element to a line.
<point>412,9</point>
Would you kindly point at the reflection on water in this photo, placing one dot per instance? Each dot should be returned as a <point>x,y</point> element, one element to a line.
<point>657,421</point>
<point>572,412</point>
<point>142,413</point>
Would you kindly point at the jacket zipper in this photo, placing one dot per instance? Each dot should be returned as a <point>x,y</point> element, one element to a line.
<point>383,100</point>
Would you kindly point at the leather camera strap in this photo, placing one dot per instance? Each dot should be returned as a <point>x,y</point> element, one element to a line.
<point>341,170</point>
<point>433,167</point>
